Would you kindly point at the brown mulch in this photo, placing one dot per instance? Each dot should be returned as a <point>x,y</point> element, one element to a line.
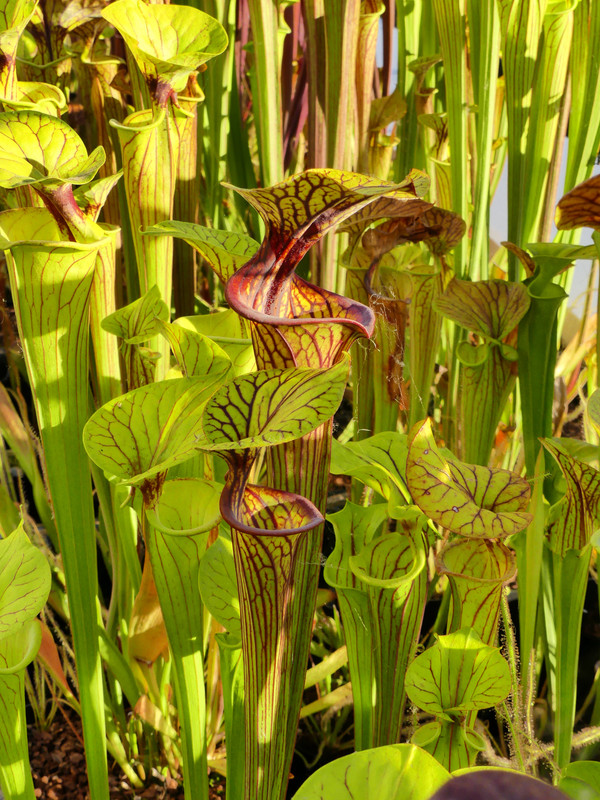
<point>59,773</point>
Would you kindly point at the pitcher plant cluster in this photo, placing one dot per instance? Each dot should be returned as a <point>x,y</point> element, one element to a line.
<point>220,222</point>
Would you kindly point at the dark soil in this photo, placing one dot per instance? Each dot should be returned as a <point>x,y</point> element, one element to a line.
<point>58,769</point>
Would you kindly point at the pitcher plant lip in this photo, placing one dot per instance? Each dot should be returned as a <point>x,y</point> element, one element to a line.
<point>239,285</point>
<point>229,509</point>
<point>7,242</point>
<point>511,561</point>
<point>297,213</point>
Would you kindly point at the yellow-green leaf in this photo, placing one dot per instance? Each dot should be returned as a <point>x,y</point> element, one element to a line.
<point>169,42</point>
<point>466,499</point>
<point>40,149</point>
<point>24,581</point>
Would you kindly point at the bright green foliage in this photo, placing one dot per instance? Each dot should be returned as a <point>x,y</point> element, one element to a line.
<point>195,354</point>
<point>17,651</point>
<point>51,280</point>
<point>388,563</point>
<point>379,462</point>
<point>138,321</point>
<point>581,780</point>
<point>150,429</point>
<point>168,42</point>
<point>13,19</point>
<point>456,676</point>
<point>218,586</point>
<point>24,582</point>
<point>395,772</point>
<point>251,93</point>
<point>43,150</point>
<point>593,409</point>
<point>228,331</point>
<point>186,506</point>
<point>468,676</point>
<point>380,584</point>
<point>570,525</point>
<point>272,406</point>
<point>24,586</point>
<point>225,251</point>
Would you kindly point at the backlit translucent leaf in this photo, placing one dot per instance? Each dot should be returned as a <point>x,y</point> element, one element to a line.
<point>19,648</point>
<point>354,526</point>
<point>405,202</point>
<point>364,51</point>
<point>563,250</point>
<point>24,581</point>
<point>393,772</point>
<point>490,308</point>
<point>268,529</point>
<point>139,321</point>
<point>477,570</point>
<point>466,499</point>
<point>593,409</point>
<point>75,13</point>
<point>36,148</point>
<point>386,110</point>
<point>218,585</point>
<point>580,208</point>
<point>14,16</point>
<point>16,652</point>
<point>388,561</point>
<point>573,519</point>
<point>272,406</point>
<point>426,324</point>
<point>91,198</point>
<point>307,326</point>
<point>149,429</point>
<point>168,41</point>
<point>196,355</point>
<point>52,283</point>
<point>446,229</point>
<point>379,462</point>
<point>186,506</point>
<point>453,744</point>
<point>458,674</point>
<point>229,331</point>
<point>147,634</point>
<point>35,96</point>
<point>225,251</point>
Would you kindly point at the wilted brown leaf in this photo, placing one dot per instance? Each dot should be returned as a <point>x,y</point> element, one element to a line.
<point>580,208</point>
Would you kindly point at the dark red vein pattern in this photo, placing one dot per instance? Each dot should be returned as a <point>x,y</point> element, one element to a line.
<point>466,499</point>
<point>297,324</point>
<point>477,571</point>
<point>576,518</point>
